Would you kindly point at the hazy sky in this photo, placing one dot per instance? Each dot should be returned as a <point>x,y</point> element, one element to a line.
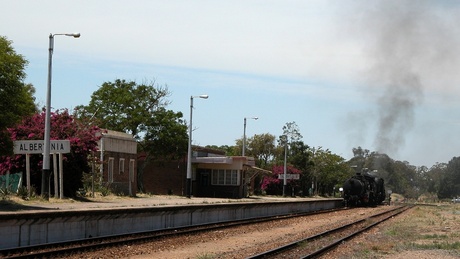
<point>382,75</point>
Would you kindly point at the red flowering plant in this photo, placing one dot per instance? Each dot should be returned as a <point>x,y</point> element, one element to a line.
<point>83,141</point>
<point>274,186</point>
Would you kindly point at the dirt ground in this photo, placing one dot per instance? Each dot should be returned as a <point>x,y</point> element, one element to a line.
<point>425,231</point>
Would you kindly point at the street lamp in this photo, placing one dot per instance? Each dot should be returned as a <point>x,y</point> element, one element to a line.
<point>244,134</point>
<point>188,186</point>
<point>285,140</point>
<point>46,151</point>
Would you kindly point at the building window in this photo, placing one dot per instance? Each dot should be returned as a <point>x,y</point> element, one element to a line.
<point>225,177</point>
<point>131,170</point>
<point>121,165</point>
<point>234,179</point>
<point>214,177</point>
<point>110,169</point>
<point>221,174</point>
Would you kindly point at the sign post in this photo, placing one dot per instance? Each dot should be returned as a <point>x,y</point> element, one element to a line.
<point>289,176</point>
<point>37,146</point>
<point>28,147</point>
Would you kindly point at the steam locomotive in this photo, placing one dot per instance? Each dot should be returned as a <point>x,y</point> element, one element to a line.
<point>363,189</point>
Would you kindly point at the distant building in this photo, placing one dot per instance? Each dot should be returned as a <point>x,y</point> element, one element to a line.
<point>213,175</point>
<point>118,154</point>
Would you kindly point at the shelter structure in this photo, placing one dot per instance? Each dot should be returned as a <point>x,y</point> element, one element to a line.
<point>118,156</point>
<point>213,175</point>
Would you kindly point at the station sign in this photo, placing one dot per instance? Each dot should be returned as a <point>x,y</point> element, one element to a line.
<point>289,176</point>
<point>37,146</point>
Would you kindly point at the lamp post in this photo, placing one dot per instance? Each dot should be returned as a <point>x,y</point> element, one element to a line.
<point>46,151</point>
<point>285,165</point>
<point>188,186</point>
<point>244,134</point>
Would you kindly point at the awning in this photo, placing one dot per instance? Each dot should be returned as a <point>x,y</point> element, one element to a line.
<point>257,169</point>
<point>212,160</point>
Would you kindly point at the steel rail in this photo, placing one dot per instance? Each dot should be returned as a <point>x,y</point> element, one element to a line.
<point>287,247</point>
<point>79,246</point>
<point>341,240</point>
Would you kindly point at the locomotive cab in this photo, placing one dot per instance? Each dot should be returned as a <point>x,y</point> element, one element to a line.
<point>363,190</point>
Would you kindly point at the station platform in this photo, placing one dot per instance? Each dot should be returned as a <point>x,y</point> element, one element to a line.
<point>16,205</point>
<point>27,223</point>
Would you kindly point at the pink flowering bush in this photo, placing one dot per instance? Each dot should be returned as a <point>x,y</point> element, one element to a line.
<point>274,186</point>
<point>83,141</point>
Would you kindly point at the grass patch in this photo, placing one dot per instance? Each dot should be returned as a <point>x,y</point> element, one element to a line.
<point>433,236</point>
<point>438,245</point>
<point>421,228</point>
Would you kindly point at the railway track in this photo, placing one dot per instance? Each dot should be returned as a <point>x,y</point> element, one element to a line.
<point>91,244</point>
<point>318,244</point>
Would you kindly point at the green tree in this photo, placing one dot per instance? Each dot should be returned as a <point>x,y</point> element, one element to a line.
<point>292,132</point>
<point>299,157</point>
<point>139,110</point>
<point>125,106</point>
<point>16,97</point>
<point>291,136</point>
<point>329,171</point>
<point>261,147</point>
<point>434,176</point>
<point>229,150</point>
<point>166,135</point>
<point>165,139</point>
<point>360,152</point>
<point>450,184</point>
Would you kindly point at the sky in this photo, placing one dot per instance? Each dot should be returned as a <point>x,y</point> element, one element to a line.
<point>382,75</point>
